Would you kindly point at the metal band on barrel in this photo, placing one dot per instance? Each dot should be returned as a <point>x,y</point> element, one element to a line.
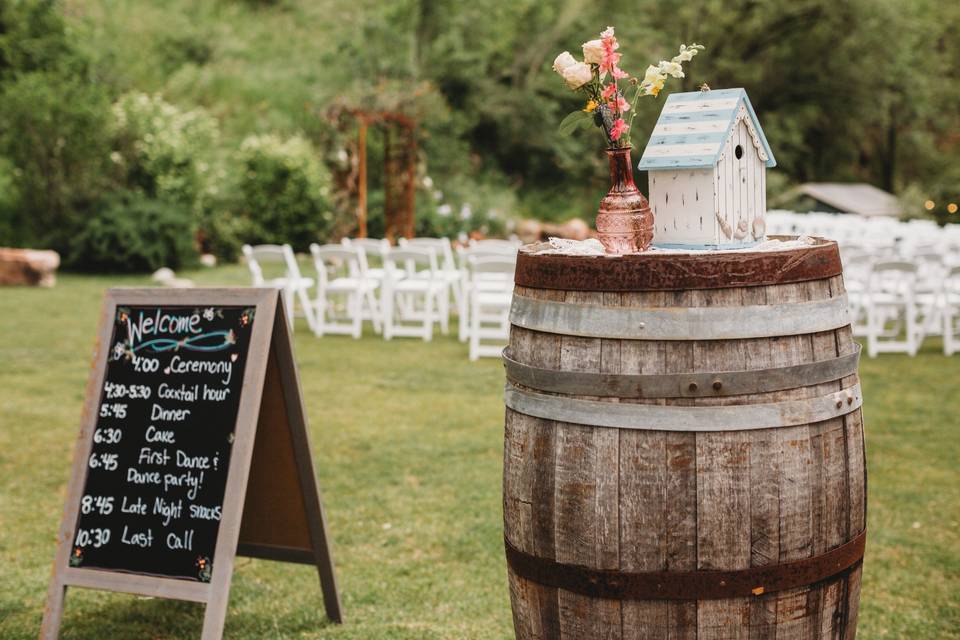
<point>680,323</point>
<point>687,585</point>
<point>652,417</point>
<point>681,385</point>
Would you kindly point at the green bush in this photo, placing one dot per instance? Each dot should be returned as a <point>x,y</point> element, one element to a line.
<point>53,118</point>
<point>222,233</point>
<point>283,192</point>
<point>33,38</point>
<point>130,232</point>
<point>10,231</point>
<point>162,150</point>
<point>52,129</point>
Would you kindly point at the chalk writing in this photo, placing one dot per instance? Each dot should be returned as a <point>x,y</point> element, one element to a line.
<point>157,471</point>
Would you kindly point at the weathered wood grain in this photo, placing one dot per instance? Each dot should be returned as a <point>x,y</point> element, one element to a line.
<point>638,500</point>
<point>764,488</point>
<point>540,618</point>
<point>641,468</point>
<point>577,491</point>
<point>723,490</point>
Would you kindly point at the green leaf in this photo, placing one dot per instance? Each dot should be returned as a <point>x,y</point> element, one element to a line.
<point>573,121</point>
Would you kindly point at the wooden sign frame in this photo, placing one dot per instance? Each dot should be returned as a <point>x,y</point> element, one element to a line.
<point>271,452</point>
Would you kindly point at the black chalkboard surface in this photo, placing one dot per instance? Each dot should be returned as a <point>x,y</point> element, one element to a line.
<point>193,449</point>
<point>157,470</point>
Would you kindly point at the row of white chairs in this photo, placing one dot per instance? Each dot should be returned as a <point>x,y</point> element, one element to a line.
<point>883,237</point>
<point>404,291</point>
<point>897,304</point>
<point>903,278</point>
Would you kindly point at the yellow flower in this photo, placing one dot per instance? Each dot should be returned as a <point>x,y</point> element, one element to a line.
<point>653,80</point>
<point>652,74</point>
<point>591,105</point>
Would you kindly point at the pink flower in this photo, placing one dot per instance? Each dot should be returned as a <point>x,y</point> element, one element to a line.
<point>620,127</point>
<point>610,43</point>
<point>610,60</point>
<point>608,91</point>
<point>620,105</point>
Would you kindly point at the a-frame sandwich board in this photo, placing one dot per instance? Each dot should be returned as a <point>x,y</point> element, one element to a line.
<point>271,505</point>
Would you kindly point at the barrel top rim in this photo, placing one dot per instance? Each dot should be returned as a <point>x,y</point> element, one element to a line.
<point>668,271</point>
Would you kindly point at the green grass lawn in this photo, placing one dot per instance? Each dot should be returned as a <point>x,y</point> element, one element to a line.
<point>407,443</point>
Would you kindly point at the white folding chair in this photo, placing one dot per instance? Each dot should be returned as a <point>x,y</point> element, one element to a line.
<point>507,247</point>
<point>342,288</point>
<point>931,271</point>
<point>373,249</point>
<point>856,280</point>
<point>295,286</point>
<point>448,266</point>
<point>892,316</point>
<point>950,311</point>
<point>415,294</point>
<point>491,291</point>
<point>483,248</point>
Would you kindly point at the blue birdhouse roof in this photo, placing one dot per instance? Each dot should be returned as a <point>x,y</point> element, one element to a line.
<point>693,128</point>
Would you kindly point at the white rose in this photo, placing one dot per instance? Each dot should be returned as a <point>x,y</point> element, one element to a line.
<point>563,61</point>
<point>577,75</point>
<point>593,52</point>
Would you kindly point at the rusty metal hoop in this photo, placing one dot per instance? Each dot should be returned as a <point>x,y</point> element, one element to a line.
<point>649,271</point>
<point>687,585</point>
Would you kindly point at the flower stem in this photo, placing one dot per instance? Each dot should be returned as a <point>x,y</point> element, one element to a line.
<point>633,108</point>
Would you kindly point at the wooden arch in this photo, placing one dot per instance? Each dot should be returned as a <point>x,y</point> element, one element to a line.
<point>399,171</point>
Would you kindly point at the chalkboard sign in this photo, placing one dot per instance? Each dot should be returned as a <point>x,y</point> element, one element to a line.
<point>193,394</point>
<point>157,471</point>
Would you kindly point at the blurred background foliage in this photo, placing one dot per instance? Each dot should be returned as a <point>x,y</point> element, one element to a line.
<point>236,113</point>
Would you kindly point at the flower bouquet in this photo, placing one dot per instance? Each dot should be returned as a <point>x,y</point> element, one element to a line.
<point>624,220</point>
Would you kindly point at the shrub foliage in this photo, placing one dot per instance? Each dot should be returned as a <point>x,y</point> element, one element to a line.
<point>283,191</point>
<point>131,232</point>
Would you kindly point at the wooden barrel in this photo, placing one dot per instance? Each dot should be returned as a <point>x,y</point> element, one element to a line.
<point>683,451</point>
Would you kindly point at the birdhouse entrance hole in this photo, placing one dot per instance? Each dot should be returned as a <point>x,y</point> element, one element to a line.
<point>738,152</point>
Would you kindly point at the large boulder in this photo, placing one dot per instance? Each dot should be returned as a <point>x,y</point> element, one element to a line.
<point>28,267</point>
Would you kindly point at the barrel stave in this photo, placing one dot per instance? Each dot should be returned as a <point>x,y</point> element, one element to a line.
<point>658,459</point>
<point>585,507</point>
<point>529,473</point>
<point>676,500</point>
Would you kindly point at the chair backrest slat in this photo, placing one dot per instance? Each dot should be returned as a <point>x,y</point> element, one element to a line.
<point>441,245</point>
<point>259,255</point>
<point>492,264</point>
<point>408,259</point>
<point>371,246</point>
<point>329,258</point>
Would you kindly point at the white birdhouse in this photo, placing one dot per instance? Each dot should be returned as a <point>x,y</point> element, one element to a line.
<point>707,160</point>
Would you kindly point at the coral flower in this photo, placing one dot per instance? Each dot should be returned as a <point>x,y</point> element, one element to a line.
<point>620,105</point>
<point>610,61</point>
<point>619,128</point>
